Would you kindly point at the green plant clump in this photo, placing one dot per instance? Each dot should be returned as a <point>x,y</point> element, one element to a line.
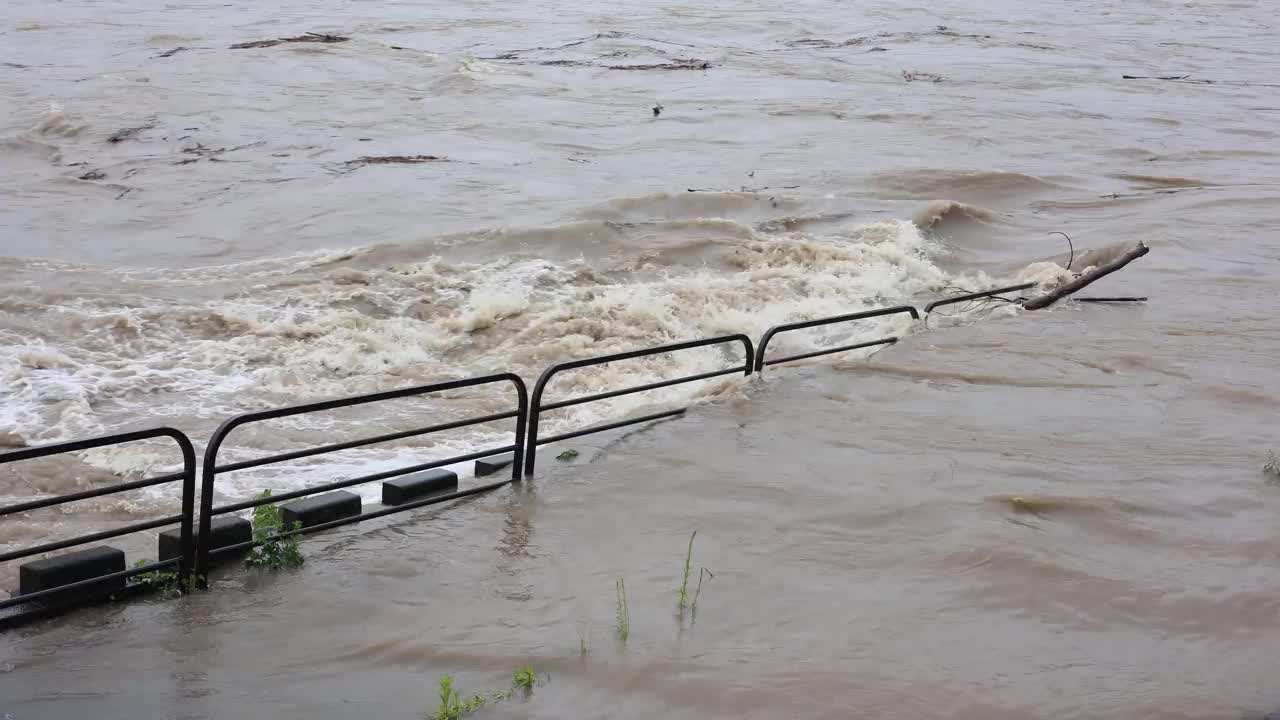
<point>453,706</point>
<point>269,551</point>
<point>524,678</point>
<point>1272,466</point>
<point>567,455</point>
<point>166,582</point>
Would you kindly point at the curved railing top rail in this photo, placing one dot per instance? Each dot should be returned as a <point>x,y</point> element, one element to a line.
<point>541,385</point>
<point>230,424</point>
<point>633,354</point>
<point>39,451</point>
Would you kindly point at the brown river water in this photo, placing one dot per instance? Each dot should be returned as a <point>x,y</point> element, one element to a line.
<point>1055,514</point>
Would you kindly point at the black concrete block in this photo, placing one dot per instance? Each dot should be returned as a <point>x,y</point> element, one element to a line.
<point>418,485</point>
<point>223,531</point>
<point>320,509</point>
<point>491,465</point>
<point>72,567</point>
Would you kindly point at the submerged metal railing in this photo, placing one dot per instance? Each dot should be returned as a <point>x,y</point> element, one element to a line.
<point>196,548</point>
<point>212,469</point>
<point>530,456</point>
<point>86,588</point>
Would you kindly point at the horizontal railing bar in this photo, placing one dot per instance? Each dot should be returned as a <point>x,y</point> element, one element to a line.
<point>31,597</point>
<point>367,516</point>
<point>610,426</point>
<point>763,347</point>
<point>633,354</point>
<point>86,539</point>
<point>829,351</point>
<point>87,494</point>
<point>89,444</point>
<point>641,388</point>
<point>974,296</point>
<point>801,325</point>
<point>338,485</point>
<point>366,399</point>
<point>335,447</point>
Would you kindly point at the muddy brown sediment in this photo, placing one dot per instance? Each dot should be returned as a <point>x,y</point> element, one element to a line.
<point>1053,515</point>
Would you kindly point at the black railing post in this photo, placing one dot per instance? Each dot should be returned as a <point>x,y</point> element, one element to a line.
<point>535,414</point>
<point>209,469</point>
<point>186,538</point>
<point>522,424</point>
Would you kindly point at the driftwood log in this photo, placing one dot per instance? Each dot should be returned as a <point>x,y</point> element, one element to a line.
<point>1053,296</point>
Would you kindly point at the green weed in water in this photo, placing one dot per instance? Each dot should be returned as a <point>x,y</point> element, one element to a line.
<point>623,627</point>
<point>166,582</point>
<point>567,455</point>
<point>452,706</point>
<point>274,553</point>
<point>524,678</point>
<point>682,600</point>
<point>1272,466</point>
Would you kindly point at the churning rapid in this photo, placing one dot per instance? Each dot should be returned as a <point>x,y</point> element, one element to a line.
<point>206,211</point>
<point>214,341</point>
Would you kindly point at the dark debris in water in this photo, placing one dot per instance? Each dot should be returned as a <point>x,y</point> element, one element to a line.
<point>93,175</point>
<point>1157,77</point>
<point>323,38</point>
<point>677,64</point>
<point>911,76</point>
<point>16,66</point>
<point>202,151</point>
<point>1199,81</point>
<point>606,60</point>
<point>394,160</point>
<point>171,53</point>
<point>129,133</point>
<point>884,37</point>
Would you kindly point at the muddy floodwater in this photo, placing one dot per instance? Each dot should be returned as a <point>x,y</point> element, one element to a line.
<point>1058,514</point>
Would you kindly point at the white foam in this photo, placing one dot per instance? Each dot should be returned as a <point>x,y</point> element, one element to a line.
<point>1045,274</point>
<point>313,327</point>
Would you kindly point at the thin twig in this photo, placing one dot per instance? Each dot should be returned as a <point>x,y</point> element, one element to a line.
<point>1069,244</point>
